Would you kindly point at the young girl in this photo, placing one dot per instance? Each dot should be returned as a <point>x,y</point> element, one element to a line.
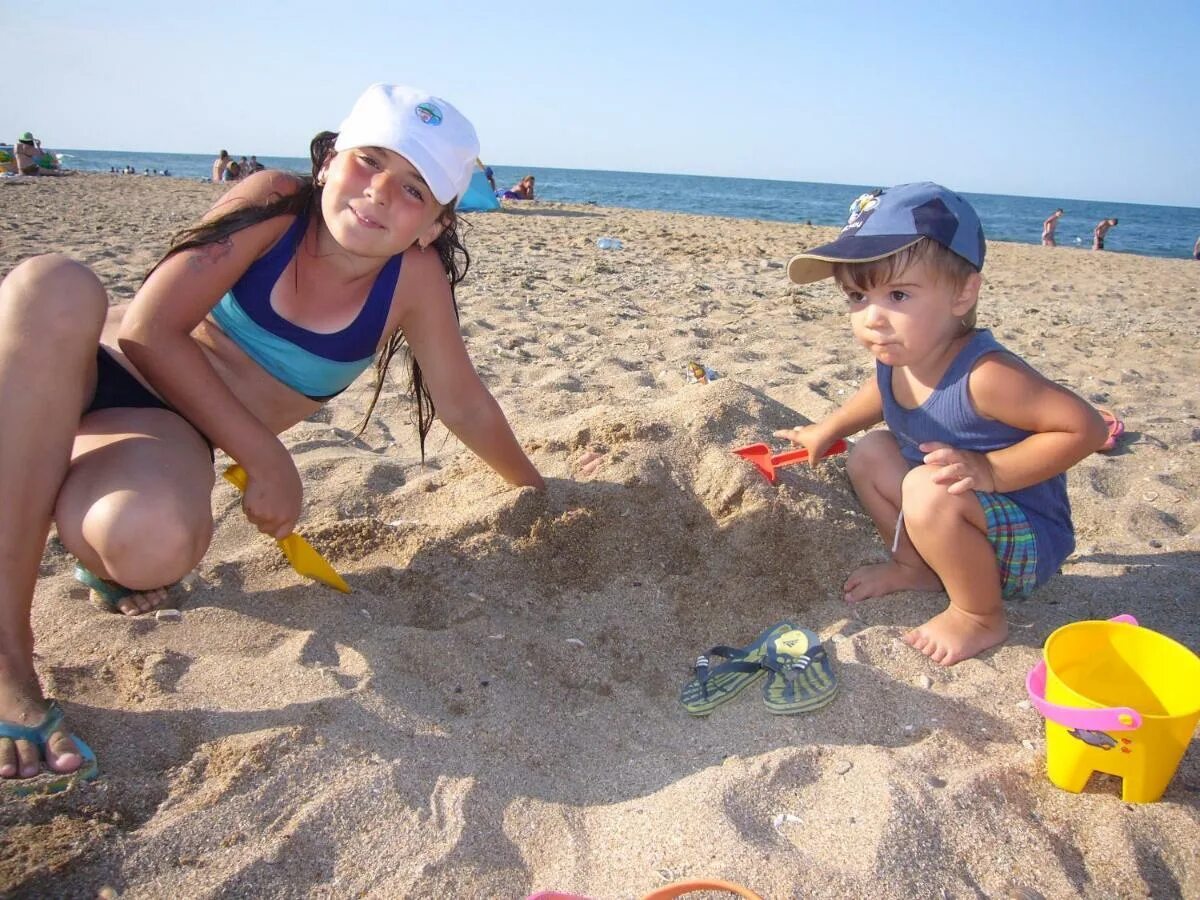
<point>284,293</point>
<point>977,442</point>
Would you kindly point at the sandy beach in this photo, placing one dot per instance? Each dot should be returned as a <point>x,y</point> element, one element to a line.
<point>494,709</point>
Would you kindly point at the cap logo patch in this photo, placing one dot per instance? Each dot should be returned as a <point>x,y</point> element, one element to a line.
<point>429,113</point>
<point>861,209</point>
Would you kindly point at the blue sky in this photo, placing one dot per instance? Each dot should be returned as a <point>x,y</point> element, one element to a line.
<point>1056,99</point>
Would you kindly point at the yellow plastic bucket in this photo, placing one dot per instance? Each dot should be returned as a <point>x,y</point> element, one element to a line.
<point>1117,698</point>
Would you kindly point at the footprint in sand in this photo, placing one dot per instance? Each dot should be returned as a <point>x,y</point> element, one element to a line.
<point>315,650</point>
<point>1109,480</point>
<point>133,675</point>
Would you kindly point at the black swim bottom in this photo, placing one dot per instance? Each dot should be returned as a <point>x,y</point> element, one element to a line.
<point>117,389</point>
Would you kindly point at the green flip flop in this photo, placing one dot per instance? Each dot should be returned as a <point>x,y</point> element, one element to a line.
<point>105,594</point>
<point>713,686</point>
<point>800,676</point>
<point>49,781</point>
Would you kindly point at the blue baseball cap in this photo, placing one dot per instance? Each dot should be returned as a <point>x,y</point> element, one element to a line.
<point>888,220</point>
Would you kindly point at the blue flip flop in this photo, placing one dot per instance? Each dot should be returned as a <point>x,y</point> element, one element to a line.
<point>715,685</point>
<point>800,676</point>
<point>49,781</point>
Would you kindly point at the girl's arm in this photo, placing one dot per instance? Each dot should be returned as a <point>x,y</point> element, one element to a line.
<point>1066,429</point>
<point>859,413</point>
<point>156,336</point>
<point>463,403</point>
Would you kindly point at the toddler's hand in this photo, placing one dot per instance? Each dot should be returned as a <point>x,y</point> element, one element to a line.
<point>959,470</point>
<point>811,438</point>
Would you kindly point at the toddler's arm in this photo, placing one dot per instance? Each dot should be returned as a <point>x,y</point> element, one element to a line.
<point>1006,389</point>
<point>859,413</point>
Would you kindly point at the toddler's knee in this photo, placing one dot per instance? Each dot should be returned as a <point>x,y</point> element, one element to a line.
<point>921,498</point>
<point>868,452</point>
<point>56,295</point>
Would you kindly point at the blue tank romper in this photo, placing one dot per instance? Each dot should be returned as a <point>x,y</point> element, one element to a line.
<point>949,417</point>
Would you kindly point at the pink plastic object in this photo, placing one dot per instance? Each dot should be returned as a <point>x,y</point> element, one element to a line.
<point>761,457</point>
<point>1113,718</point>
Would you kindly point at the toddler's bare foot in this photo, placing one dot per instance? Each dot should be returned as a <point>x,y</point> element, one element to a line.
<point>887,578</point>
<point>954,635</point>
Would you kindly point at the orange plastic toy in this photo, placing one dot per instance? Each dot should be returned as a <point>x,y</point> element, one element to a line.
<point>761,457</point>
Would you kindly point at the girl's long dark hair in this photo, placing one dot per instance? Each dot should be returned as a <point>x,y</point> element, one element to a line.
<point>307,201</point>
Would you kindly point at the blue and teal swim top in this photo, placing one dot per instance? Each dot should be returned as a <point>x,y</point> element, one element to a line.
<point>317,365</point>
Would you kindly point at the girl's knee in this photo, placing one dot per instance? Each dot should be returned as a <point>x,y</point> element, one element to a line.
<point>56,295</point>
<point>146,542</point>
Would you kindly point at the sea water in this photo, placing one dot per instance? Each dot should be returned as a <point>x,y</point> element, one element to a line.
<point>1151,230</point>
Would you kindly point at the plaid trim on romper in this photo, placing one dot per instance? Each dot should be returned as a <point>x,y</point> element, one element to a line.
<point>1012,539</point>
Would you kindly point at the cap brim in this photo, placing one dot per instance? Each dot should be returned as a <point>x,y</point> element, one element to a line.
<point>817,263</point>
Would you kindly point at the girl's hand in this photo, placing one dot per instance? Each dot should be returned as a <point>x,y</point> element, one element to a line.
<point>273,495</point>
<point>812,438</point>
<point>959,470</point>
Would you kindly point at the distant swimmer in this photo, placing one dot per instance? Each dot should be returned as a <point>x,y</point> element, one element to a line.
<point>1048,228</point>
<point>1100,232</point>
<point>1196,250</point>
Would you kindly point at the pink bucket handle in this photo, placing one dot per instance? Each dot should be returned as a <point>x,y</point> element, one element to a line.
<point>1115,718</point>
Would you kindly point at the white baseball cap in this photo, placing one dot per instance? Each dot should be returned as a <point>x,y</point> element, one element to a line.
<point>426,130</point>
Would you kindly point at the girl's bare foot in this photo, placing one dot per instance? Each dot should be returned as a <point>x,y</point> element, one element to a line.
<point>141,602</point>
<point>954,635</point>
<point>109,595</point>
<point>887,578</point>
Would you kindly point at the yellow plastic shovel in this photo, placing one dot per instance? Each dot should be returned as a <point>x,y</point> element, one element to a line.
<point>299,552</point>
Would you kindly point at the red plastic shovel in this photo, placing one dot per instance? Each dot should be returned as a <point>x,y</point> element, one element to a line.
<point>761,457</point>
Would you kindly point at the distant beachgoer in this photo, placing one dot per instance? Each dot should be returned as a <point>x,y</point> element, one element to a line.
<point>254,166</point>
<point>1196,250</point>
<point>522,190</point>
<point>1048,228</point>
<point>33,159</point>
<point>233,171</point>
<point>111,413</point>
<point>28,151</point>
<point>220,164</point>
<point>1100,232</point>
